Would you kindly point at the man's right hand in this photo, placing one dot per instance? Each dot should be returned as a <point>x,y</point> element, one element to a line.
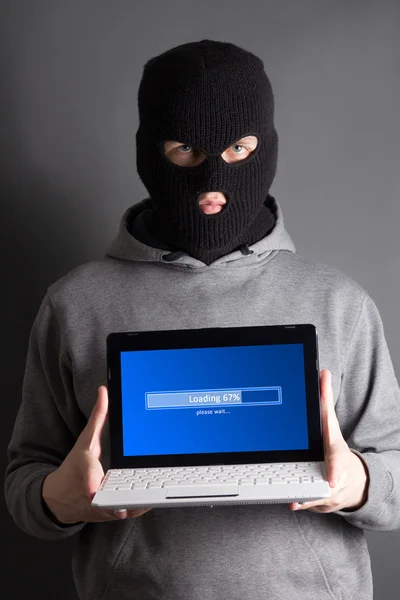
<point>69,490</point>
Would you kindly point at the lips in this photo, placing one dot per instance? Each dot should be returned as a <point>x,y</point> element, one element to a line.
<point>211,208</point>
<point>211,204</point>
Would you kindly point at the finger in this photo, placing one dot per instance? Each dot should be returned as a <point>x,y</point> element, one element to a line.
<point>323,503</point>
<point>319,508</point>
<point>118,514</point>
<point>137,512</point>
<point>99,515</point>
<point>132,513</point>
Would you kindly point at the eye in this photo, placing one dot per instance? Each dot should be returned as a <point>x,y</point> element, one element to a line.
<point>185,149</point>
<point>181,154</point>
<point>237,148</point>
<point>240,150</point>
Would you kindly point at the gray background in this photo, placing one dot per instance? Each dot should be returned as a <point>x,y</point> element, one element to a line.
<point>69,77</point>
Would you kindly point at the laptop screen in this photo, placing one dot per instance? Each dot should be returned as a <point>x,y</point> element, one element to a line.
<point>211,400</point>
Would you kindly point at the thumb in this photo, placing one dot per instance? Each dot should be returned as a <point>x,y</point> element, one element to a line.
<point>91,435</point>
<point>330,423</point>
<point>331,429</point>
<point>325,383</point>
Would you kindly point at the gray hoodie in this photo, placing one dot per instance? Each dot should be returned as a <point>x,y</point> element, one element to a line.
<point>259,552</point>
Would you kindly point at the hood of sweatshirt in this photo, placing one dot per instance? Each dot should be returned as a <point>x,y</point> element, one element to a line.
<point>127,247</point>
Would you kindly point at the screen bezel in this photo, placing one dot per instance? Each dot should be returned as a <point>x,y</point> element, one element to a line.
<point>305,334</point>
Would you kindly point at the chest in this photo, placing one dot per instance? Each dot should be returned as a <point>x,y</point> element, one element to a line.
<point>149,302</point>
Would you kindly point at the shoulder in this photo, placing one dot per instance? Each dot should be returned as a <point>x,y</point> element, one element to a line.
<point>85,280</point>
<point>323,279</point>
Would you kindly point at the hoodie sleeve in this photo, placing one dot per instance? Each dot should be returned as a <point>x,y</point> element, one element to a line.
<point>43,430</point>
<point>369,407</point>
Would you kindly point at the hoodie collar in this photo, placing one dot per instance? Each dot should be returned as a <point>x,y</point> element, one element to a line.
<point>126,247</point>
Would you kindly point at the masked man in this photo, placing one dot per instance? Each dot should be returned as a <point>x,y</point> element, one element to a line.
<point>208,248</point>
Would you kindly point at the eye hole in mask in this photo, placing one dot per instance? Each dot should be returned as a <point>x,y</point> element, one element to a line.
<point>184,155</point>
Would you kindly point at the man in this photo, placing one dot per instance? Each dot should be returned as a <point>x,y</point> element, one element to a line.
<point>209,248</point>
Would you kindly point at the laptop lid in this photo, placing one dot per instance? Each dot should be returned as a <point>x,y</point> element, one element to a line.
<point>214,396</point>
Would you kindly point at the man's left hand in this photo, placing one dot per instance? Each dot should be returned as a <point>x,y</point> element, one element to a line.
<point>346,472</point>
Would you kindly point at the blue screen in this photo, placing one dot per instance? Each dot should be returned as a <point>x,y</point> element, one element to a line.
<point>200,400</point>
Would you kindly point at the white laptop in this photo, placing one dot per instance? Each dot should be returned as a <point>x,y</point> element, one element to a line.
<point>214,416</point>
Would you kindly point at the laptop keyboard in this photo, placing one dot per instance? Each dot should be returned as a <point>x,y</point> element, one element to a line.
<point>161,477</point>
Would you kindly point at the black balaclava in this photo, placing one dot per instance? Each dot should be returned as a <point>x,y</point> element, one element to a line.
<point>207,95</point>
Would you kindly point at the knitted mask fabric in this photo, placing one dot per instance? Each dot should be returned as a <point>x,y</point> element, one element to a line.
<point>207,95</point>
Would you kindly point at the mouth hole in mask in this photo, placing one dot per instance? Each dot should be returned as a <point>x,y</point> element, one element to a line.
<point>213,202</point>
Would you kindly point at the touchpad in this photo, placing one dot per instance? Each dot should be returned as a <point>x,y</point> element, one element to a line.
<point>202,491</point>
